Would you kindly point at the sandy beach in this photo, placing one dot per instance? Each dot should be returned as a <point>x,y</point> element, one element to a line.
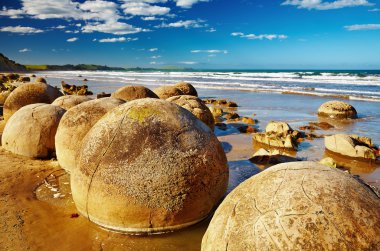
<point>38,211</point>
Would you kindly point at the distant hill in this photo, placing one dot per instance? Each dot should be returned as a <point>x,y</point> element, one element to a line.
<point>70,67</point>
<point>9,65</point>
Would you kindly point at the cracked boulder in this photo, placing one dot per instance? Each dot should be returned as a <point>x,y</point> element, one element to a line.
<point>149,166</point>
<point>29,93</point>
<point>74,126</point>
<point>187,89</point>
<point>297,206</point>
<point>337,110</point>
<point>278,134</point>
<point>31,130</point>
<point>69,101</point>
<point>196,107</point>
<point>128,93</point>
<point>351,146</point>
<point>167,91</point>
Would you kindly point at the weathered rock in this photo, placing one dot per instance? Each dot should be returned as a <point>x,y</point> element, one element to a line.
<point>3,96</point>
<point>187,89</point>
<point>297,206</point>
<point>232,115</point>
<point>196,107</point>
<point>273,157</point>
<point>349,146</point>
<point>23,79</point>
<point>74,126</point>
<point>278,134</point>
<point>337,109</point>
<point>330,162</point>
<point>278,128</point>
<point>166,91</point>
<point>216,112</point>
<point>12,76</point>
<point>29,93</point>
<point>231,104</point>
<point>103,95</point>
<point>68,89</point>
<point>133,92</point>
<point>31,130</point>
<point>149,166</point>
<point>248,120</point>
<point>69,101</point>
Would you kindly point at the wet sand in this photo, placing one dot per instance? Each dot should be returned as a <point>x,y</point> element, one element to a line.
<point>38,213</point>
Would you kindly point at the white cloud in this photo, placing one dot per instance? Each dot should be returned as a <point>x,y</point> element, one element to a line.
<point>155,57</point>
<point>153,49</point>
<point>210,51</point>
<point>112,40</point>
<point>11,13</point>
<point>152,18</point>
<point>185,24</point>
<point>357,27</point>
<point>259,37</point>
<point>24,50</point>
<point>187,3</point>
<point>59,27</point>
<point>20,29</point>
<point>116,28</point>
<point>188,62</point>
<point>374,10</point>
<point>42,9</point>
<point>326,5</point>
<point>115,39</point>
<point>73,39</point>
<point>211,30</point>
<point>140,8</point>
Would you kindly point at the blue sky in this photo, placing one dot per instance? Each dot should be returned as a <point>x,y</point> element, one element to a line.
<point>213,34</point>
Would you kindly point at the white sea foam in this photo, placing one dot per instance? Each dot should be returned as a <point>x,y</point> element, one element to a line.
<point>346,85</point>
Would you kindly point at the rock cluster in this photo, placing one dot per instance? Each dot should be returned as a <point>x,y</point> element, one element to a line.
<point>297,206</point>
<point>68,89</point>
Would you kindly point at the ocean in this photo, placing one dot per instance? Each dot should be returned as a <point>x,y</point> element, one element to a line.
<point>352,85</point>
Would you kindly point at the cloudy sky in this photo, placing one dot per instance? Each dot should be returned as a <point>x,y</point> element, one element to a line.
<point>204,34</point>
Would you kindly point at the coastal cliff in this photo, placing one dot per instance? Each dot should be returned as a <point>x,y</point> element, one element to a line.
<point>9,65</point>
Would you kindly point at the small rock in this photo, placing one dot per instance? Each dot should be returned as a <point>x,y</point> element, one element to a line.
<point>328,162</point>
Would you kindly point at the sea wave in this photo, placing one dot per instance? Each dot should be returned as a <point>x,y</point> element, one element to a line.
<point>346,85</point>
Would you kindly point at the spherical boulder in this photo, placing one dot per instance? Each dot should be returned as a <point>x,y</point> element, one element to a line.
<point>69,101</point>
<point>337,110</point>
<point>29,93</point>
<point>40,80</point>
<point>196,107</point>
<point>3,96</point>
<point>297,206</point>
<point>31,130</point>
<point>167,91</point>
<point>149,166</point>
<point>186,88</point>
<point>132,92</point>
<point>75,124</point>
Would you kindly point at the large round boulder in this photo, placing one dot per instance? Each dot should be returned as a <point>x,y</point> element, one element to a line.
<point>337,110</point>
<point>186,88</point>
<point>149,166</point>
<point>74,126</point>
<point>69,101</point>
<point>31,130</point>
<point>167,91</point>
<point>297,206</point>
<point>133,92</point>
<point>3,96</point>
<point>29,93</point>
<point>196,107</point>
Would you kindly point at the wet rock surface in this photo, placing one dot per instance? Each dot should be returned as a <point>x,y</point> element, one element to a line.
<point>337,110</point>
